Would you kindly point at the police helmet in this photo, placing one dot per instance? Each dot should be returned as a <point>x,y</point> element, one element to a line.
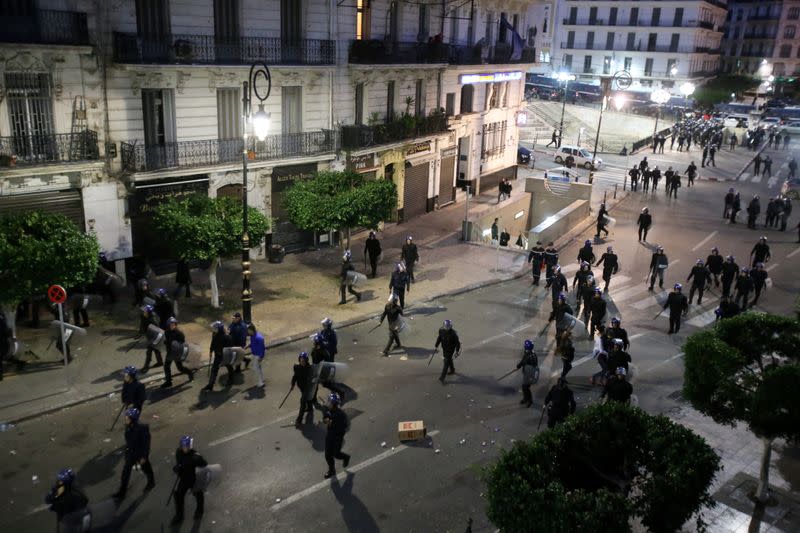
<point>730,259</point>
<point>172,320</point>
<point>347,255</point>
<point>186,441</point>
<point>763,238</point>
<point>590,279</point>
<point>659,248</point>
<point>760,264</point>
<point>130,371</point>
<point>615,320</point>
<point>447,324</point>
<point>678,286</point>
<point>317,338</point>
<point>327,322</point>
<point>587,242</point>
<point>745,270</point>
<point>645,210</point>
<point>597,290</point>
<point>133,413</point>
<point>699,262</point>
<point>562,297</point>
<point>621,371</point>
<point>148,308</point>
<point>715,250</point>
<point>335,399</point>
<point>66,476</point>
<point>161,292</point>
<point>409,238</point>
<point>609,249</point>
<point>303,356</point>
<point>528,345</point>
<point>618,342</point>
<point>558,268</point>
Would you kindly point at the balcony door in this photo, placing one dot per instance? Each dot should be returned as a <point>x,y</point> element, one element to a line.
<point>292,120</point>
<point>229,124</point>
<point>152,25</point>
<point>158,116</point>
<point>226,31</point>
<point>291,31</point>
<point>30,111</point>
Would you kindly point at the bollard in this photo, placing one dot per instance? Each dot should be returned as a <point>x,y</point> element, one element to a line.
<point>615,190</point>
<point>604,196</point>
<point>624,182</point>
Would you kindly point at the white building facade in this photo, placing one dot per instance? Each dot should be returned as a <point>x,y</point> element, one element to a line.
<point>141,101</point>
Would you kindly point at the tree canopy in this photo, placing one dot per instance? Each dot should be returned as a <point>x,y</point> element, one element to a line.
<point>40,249</point>
<point>601,468</point>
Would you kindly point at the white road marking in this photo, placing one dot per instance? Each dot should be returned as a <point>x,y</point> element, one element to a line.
<point>341,476</point>
<point>757,179</point>
<point>703,319</point>
<point>618,279</point>
<point>576,363</point>
<point>635,336</point>
<point>651,300</point>
<point>797,251</point>
<point>745,176</point>
<point>628,293</point>
<point>37,509</point>
<point>772,181</point>
<point>234,436</point>
<point>773,265</point>
<point>664,362</point>
<point>571,267</point>
<point>704,241</point>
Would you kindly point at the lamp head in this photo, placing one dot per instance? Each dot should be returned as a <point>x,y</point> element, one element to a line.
<point>261,123</point>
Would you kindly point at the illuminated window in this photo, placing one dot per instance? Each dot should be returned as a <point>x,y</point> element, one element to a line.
<point>362,19</point>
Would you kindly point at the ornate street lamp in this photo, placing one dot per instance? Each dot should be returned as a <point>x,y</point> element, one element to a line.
<point>659,97</point>
<point>565,78</point>
<point>259,122</point>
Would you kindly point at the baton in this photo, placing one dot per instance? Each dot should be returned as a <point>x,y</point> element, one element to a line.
<point>434,353</point>
<point>174,485</point>
<point>118,415</point>
<point>376,327</point>
<point>657,314</point>
<point>541,418</point>
<point>286,397</point>
<point>544,329</point>
<point>458,353</point>
<point>508,374</point>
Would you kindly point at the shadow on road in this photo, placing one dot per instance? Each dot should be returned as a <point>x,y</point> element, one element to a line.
<point>100,467</point>
<point>355,514</point>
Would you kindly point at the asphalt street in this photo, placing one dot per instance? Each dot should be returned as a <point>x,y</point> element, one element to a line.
<point>272,477</point>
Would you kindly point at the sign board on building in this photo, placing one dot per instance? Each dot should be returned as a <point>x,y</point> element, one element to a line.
<point>491,77</point>
<point>419,148</point>
<point>449,152</point>
<point>361,162</point>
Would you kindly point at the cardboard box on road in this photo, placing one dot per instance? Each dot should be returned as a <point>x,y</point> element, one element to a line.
<point>413,430</point>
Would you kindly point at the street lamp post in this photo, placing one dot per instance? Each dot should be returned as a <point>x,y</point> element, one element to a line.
<point>565,78</point>
<point>659,97</point>
<point>260,126</point>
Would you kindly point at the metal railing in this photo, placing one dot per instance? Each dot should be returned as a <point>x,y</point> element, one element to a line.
<point>138,157</point>
<point>601,47</point>
<point>481,54</point>
<point>49,148</point>
<point>208,50</point>
<point>361,136</point>
<point>45,26</point>
<point>374,51</point>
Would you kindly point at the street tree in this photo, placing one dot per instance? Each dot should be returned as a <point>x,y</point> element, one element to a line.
<point>340,200</point>
<point>602,469</point>
<point>747,369</point>
<point>40,249</point>
<point>208,229</point>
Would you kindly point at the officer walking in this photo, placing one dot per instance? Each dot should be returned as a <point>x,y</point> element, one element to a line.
<point>560,309</point>
<point>530,366</point>
<point>634,174</point>
<point>67,501</point>
<point>133,391</point>
<point>337,423</point>
<point>175,340</point>
<point>644,222</point>
<point>558,284</point>
<point>580,278</point>
<point>759,276</point>
<point>560,402</point>
<point>610,264</point>
<point>619,356</point>
<point>137,452</point>
<point>760,252</point>
<point>410,255</point>
<point>148,318</point>
<point>597,307</point>
<point>372,248</point>
<point>658,265</point>
<point>219,341</point>
<point>753,210</point>
<point>691,173</point>
<point>714,264</point>
<point>728,203</point>
<point>618,389</point>
<point>451,345</point>
<point>187,460</point>
<point>744,284</point>
<point>550,262</point>
<point>586,253</point>
<point>584,296</point>
<point>399,283</point>
<point>730,270</point>
<point>678,305</point>
<point>536,258</point>
<point>164,307</point>
<point>346,285</point>
<point>330,342</point>
<point>601,221</point>
<point>303,377</point>
<point>393,312</point>
<point>616,331</point>
<point>699,276</point>
<point>566,351</point>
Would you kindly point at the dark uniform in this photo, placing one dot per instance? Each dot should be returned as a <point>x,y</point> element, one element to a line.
<point>760,253</point>
<point>330,342</point>
<point>410,255</point>
<point>144,323</point>
<point>398,284</point>
<point>580,278</point>
<point>678,305</point>
<point>658,265</point>
<point>174,355</point>
<point>601,220</point>
<point>344,286</point>
<point>585,295</point>
<point>759,277</point>
<point>618,358</point>
<point>219,341</point>
<point>644,222</point>
<point>634,173</point>
<point>727,309</point>
<point>560,309</point>
<point>334,439</point>
<point>550,262</point>
<point>729,272</point>
<point>560,402</point>
<point>393,312</point>
<point>185,465</point>
<point>536,258</point>
<point>133,394</point>
<point>451,344</point>
<point>303,377</point>
<point>617,332</point>
<point>586,253</point>
<point>567,353</point>
<point>528,364</point>
<point>714,264</point>
<point>164,309</point>
<point>597,308</point>
<point>137,451</point>
<point>618,389</point>
<point>699,276</point>
<point>744,284</point>
<point>69,506</point>
<point>558,284</point>
<point>610,263</point>
<point>372,248</point>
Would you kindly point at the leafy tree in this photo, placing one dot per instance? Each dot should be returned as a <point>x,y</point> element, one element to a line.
<point>746,369</point>
<point>339,200</point>
<point>206,229</point>
<point>600,469</point>
<point>719,89</point>
<point>38,250</point>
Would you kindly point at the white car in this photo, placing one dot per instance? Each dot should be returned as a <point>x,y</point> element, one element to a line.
<point>563,174</point>
<point>792,127</point>
<point>769,121</point>
<point>575,155</point>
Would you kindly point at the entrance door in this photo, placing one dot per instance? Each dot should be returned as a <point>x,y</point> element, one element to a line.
<point>291,120</point>
<point>447,170</point>
<point>158,110</point>
<point>415,190</point>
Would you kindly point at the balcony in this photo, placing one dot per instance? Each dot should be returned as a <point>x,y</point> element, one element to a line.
<point>583,22</point>
<point>706,50</point>
<point>377,52</point>
<point>597,47</point>
<point>405,127</point>
<point>707,24</point>
<point>185,49</point>
<point>500,53</point>
<point>30,150</point>
<point>138,157</point>
<point>46,26</point>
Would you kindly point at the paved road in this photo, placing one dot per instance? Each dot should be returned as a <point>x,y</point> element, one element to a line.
<point>273,472</point>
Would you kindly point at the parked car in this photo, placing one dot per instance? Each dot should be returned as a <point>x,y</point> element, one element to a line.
<point>563,174</point>
<point>769,121</point>
<point>523,155</point>
<point>792,127</point>
<point>570,155</point>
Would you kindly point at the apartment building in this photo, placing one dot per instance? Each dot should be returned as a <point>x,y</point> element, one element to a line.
<point>660,43</point>
<point>425,94</point>
<point>762,38</point>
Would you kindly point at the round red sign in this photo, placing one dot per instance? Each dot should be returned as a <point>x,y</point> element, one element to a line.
<point>57,294</point>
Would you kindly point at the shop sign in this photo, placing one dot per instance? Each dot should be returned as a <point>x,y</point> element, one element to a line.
<point>419,148</point>
<point>493,77</point>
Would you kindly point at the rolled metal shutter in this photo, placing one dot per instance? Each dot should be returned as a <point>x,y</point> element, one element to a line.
<point>446,189</point>
<point>68,203</point>
<point>415,194</point>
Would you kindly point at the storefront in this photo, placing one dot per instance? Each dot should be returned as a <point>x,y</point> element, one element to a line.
<point>65,202</point>
<point>364,164</point>
<point>447,176</point>
<point>416,182</point>
<point>284,232</point>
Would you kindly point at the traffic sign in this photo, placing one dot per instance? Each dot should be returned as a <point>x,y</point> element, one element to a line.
<point>57,294</point>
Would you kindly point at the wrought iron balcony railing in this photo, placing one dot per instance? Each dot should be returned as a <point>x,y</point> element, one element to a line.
<point>400,129</point>
<point>375,52</point>
<point>25,150</point>
<point>208,50</point>
<point>45,26</point>
<point>500,53</point>
<point>138,157</point>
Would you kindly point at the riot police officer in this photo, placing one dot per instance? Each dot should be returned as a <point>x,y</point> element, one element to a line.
<point>393,312</point>
<point>337,423</point>
<point>147,319</point>
<point>730,270</point>
<point>303,377</point>
<point>530,369</point>
<point>330,342</point>
<point>400,283</point>
<point>759,276</point>
<point>187,460</point>
<point>560,402</point>
<point>536,258</point>
<point>597,307</point>
<point>451,345</point>
<point>699,276</point>
<point>744,285</point>
<point>550,262</point>
<point>616,331</point>
<point>618,389</point>
<point>714,263</point>
<point>610,263</point>
<point>133,391</point>
<point>678,305</point>
<point>586,253</point>
<point>220,340</point>
<point>175,340</point>
<point>558,283</point>
<point>560,310</point>
<point>67,501</point>
<point>137,451</point>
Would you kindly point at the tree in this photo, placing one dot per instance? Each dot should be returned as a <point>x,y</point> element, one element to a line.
<point>601,468</point>
<point>339,200</point>
<point>746,369</point>
<point>38,250</point>
<point>719,89</point>
<point>206,229</point>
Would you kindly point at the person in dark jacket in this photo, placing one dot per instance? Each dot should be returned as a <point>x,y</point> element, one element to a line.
<point>714,264</point>
<point>560,309</point>
<point>536,259</point>
<point>219,341</point>
<point>727,308</point>
<point>744,285</point>
<point>410,256</point>
<point>141,292</point>
<point>753,210</point>
<point>164,308</point>
<point>400,283</point>
<point>736,206</point>
<point>451,345</point>
<point>586,253</point>
<point>133,391</point>
<point>579,279</point>
<point>187,460</point>
<point>602,221</point>
<point>137,451</point>
<point>759,276</point>
<point>597,308</point>
<point>634,174</point>
<point>618,389</point>
<point>616,331</point>
<point>175,340</point>
<point>618,357</point>
<point>238,330</point>
<point>303,378</point>
<point>330,342</point>
<point>610,263</point>
<point>372,248</point>
<point>699,276</point>
<point>691,173</point>
<point>558,284</point>
<point>658,266</point>
<point>678,305</point>
<point>760,252</point>
<point>584,297</point>
<point>337,423</point>
<point>149,318</point>
<point>550,263</point>
<point>566,351</point>
<point>393,312</point>
<point>726,211</point>
<point>183,279</point>
<point>644,222</point>
<point>530,366</point>
<point>560,402</point>
<point>345,281</point>
<point>67,501</point>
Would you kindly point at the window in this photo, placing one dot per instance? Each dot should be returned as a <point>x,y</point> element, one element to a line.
<point>610,40</point>
<point>794,13</point>
<point>738,14</point>
<point>394,20</point>
<point>573,15</point>
<point>634,18</point>
<point>493,140</point>
<point>450,104</point>
<point>674,42</point>
<point>592,15</point>
<point>612,17</point>
<point>678,20</point>
<point>454,17</point>
<point>229,114</point>
<point>158,114</point>
<point>362,19</point>
<point>424,28</point>
<point>568,61</point>
<point>788,32</point>
<point>587,64</point>
<point>651,42</point>
<point>630,45</point>
<point>544,26</point>
<point>570,39</point>
<point>226,30</point>
<point>655,20</point>
<point>502,35</point>
<point>607,65</point>
<point>419,98</point>
<point>467,94</point>
<point>30,110</point>
<point>648,66</point>
<point>390,97</point>
<point>736,32</point>
<point>590,40</point>
<point>786,50</point>
<point>359,102</point>
<point>291,109</point>
<point>671,64</point>
<point>489,27</point>
<point>291,22</point>
<point>627,64</point>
